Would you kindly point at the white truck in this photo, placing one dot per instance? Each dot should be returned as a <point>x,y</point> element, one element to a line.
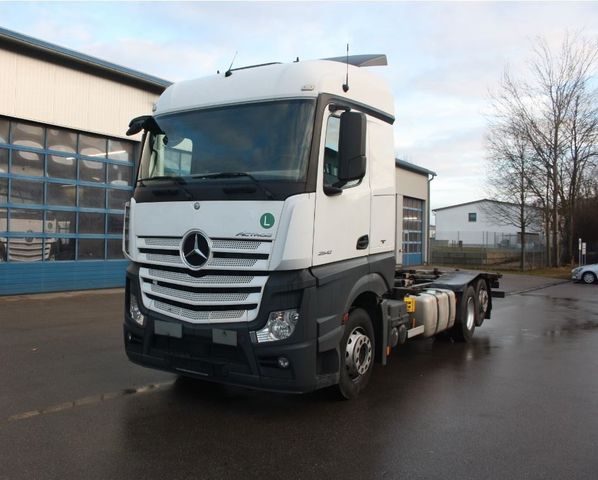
<point>261,233</point>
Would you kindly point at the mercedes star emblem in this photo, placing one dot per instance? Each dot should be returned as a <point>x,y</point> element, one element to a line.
<point>195,250</point>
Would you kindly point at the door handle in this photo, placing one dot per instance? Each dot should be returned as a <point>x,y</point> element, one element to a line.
<point>363,242</point>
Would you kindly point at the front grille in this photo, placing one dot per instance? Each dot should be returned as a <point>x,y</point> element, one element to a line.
<point>226,254</point>
<point>228,288</point>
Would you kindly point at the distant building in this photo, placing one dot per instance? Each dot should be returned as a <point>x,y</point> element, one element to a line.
<point>477,223</point>
<point>413,213</point>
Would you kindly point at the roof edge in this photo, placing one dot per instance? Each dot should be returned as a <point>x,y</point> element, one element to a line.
<point>481,200</point>
<point>413,168</point>
<point>81,58</point>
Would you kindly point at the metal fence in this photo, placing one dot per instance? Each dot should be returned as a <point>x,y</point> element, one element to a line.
<point>487,248</point>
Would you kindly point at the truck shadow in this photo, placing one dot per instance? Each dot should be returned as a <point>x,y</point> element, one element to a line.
<point>213,426</point>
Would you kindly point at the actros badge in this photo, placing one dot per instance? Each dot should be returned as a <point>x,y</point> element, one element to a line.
<point>195,249</point>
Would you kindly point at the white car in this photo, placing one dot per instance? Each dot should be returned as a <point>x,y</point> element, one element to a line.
<point>586,273</point>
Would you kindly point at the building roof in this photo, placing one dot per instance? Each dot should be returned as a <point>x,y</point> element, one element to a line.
<point>413,168</point>
<point>55,52</point>
<point>473,202</point>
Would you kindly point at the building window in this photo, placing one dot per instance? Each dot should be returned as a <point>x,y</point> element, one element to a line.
<point>62,193</point>
<point>473,217</point>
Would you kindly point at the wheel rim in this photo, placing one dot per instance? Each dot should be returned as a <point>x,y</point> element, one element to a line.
<point>470,313</point>
<point>358,353</point>
<point>588,277</point>
<point>483,300</point>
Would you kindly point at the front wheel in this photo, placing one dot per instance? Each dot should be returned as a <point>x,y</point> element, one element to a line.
<point>464,326</point>
<point>588,278</point>
<point>357,354</point>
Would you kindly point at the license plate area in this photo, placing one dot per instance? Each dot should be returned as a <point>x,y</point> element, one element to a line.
<point>224,337</point>
<point>168,329</point>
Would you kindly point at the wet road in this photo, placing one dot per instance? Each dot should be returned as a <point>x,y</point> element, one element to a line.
<point>521,401</point>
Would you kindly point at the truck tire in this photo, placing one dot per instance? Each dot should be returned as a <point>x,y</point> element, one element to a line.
<point>357,354</point>
<point>483,301</point>
<point>588,278</point>
<point>466,316</point>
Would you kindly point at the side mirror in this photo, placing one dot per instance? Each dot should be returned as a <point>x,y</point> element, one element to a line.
<point>144,122</point>
<point>351,146</point>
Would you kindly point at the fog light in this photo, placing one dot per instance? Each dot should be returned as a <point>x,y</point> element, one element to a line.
<point>281,325</point>
<point>283,362</point>
<point>134,311</point>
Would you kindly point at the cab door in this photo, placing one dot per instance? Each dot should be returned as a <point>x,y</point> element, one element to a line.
<point>342,216</point>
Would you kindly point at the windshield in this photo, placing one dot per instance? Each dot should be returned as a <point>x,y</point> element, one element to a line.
<point>268,141</point>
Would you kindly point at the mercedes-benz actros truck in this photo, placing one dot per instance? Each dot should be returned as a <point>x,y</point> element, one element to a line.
<point>261,233</point>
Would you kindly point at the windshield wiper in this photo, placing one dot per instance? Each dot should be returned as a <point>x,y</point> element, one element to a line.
<point>177,179</point>
<point>266,192</point>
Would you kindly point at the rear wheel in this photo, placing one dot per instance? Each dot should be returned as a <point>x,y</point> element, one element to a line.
<point>483,301</point>
<point>464,326</point>
<point>357,354</point>
<point>588,278</point>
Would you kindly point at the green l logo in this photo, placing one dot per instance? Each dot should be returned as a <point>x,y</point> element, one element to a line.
<point>267,220</point>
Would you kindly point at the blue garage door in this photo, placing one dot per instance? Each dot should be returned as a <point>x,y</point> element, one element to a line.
<point>413,231</point>
<point>62,194</point>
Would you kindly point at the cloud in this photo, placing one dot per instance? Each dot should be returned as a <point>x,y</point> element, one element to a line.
<point>168,60</point>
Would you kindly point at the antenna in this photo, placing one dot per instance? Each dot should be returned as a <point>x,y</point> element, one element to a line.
<point>228,73</point>
<point>346,84</point>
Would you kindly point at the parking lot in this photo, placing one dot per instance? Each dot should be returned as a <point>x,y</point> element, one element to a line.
<point>520,401</point>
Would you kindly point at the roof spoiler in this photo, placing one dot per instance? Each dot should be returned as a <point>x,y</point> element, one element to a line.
<point>370,60</point>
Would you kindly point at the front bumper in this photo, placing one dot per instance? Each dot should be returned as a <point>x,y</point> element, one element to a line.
<point>245,364</point>
<point>201,353</point>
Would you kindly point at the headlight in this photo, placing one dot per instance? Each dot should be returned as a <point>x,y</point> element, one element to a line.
<point>134,311</point>
<point>280,325</point>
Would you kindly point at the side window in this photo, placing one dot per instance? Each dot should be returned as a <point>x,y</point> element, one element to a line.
<point>331,156</point>
<point>331,151</point>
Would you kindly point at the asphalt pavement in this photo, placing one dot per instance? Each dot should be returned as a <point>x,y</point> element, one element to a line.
<point>520,401</point>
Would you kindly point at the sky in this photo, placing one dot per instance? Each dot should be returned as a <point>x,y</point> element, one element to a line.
<point>444,57</point>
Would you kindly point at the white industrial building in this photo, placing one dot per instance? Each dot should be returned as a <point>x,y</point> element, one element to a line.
<point>481,222</point>
<point>66,169</point>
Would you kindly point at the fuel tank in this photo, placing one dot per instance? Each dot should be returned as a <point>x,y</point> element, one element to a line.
<point>435,309</point>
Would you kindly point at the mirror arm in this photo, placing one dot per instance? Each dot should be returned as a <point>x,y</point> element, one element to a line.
<point>333,107</point>
<point>332,191</point>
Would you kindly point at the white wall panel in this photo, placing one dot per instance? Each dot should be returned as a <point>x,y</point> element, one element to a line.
<point>70,97</point>
<point>411,184</point>
<point>42,91</point>
<point>33,81</point>
<point>8,82</point>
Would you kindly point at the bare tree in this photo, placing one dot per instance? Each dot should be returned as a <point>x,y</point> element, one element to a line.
<point>547,109</point>
<point>510,159</point>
